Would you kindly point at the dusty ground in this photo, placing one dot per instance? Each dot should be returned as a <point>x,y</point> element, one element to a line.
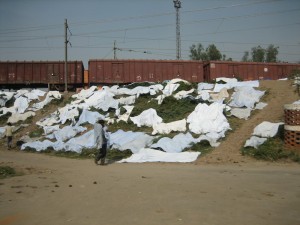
<point>220,188</point>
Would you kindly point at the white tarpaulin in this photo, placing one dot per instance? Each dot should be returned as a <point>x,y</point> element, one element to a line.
<point>218,87</point>
<point>21,104</point>
<point>175,144</point>
<point>260,105</point>
<point>245,97</point>
<point>133,141</point>
<point>147,118</point>
<point>125,116</point>
<point>255,142</point>
<point>183,94</point>
<point>101,100</point>
<point>205,86</point>
<point>166,128</point>
<point>89,117</point>
<point>67,132</point>
<point>16,117</point>
<point>208,118</point>
<point>84,94</point>
<point>49,97</point>
<point>5,96</point>
<point>151,155</point>
<point>266,129</point>
<point>241,113</point>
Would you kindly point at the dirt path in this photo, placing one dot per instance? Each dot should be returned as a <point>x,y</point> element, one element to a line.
<point>280,93</point>
<point>66,191</point>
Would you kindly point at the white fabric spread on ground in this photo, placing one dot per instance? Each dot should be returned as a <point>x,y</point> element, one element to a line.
<point>245,97</point>
<point>151,155</point>
<point>208,118</point>
<point>133,141</point>
<point>218,87</point>
<point>21,104</point>
<point>266,129</point>
<point>89,117</point>
<point>166,128</point>
<point>5,96</point>
<point>205,86</point>
<point>68,132</point>
<point>260,105</point>
<point>16,117</point>
<point>255,142</point>
<point>175,144</point>
<point>147,118</point>
<point>125,116</point>
<point>49,97</point>
<point>241,113</point>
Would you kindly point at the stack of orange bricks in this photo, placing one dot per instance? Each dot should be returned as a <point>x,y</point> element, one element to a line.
<point>292,126</point>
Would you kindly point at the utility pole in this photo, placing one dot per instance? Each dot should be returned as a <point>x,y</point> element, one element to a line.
<point>66,55</point>
<point>115,50</point>
<point>177,5</point>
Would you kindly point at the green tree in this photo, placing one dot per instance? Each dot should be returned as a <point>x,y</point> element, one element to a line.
<point>258,54</point>
<point>197,52</point>
<point>271,53</point>
<point>213,53</point>
<point>246,57</point>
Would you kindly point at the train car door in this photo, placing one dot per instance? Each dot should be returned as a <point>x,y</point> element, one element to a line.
<point>12,73</point>
<point>53,75</point>
<point>3,73</point>
<point>178,71</point>
<point>117,72</point>
<point>28,71</point>
<point>233,71</point>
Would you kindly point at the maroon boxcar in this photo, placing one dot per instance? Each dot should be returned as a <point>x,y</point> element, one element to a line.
<point>248,70</point>
<point>40,73</point>
<point>128,71</point>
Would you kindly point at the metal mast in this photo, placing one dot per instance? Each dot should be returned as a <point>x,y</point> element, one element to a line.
<point>66,55</point>
<point>177,5</point>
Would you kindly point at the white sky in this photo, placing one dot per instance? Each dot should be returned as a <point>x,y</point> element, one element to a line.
<point>34,29</point>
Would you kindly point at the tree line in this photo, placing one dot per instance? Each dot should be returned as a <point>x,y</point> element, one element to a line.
<point>257,54</point>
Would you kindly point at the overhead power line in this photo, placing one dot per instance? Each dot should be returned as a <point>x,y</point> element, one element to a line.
<point>58,26</point>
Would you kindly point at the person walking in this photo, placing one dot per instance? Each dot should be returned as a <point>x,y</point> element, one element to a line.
<point>101,139</point>
<point>9,135</point>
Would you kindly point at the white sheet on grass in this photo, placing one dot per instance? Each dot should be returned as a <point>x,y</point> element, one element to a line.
<point>151,155</point>
<point>175,144</point>
<point>241,113</point>
<point>218,87</point>
<point>205,86</point>
<point>245,97</point>
<point>260,105</point>
<point>133,141</point>
<point>5,96</point>
<point>208,118</point>
<point>166,128</point>
<point>89,117</point>
<point>68,132</point>
<point>21,104</point>
<point>16,117</point>
<point>255,141</point>
<point>147,118</point>
<point>125,116</point>
<point>266,129</point>
<point>49,97</point>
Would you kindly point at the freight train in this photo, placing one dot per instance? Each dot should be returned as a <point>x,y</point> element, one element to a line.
<point>17,74</point>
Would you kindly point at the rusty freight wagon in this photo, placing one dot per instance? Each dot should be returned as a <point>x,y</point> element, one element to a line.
<point>248,70</point>
<point>18,74</point>
<point>128,71</point>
